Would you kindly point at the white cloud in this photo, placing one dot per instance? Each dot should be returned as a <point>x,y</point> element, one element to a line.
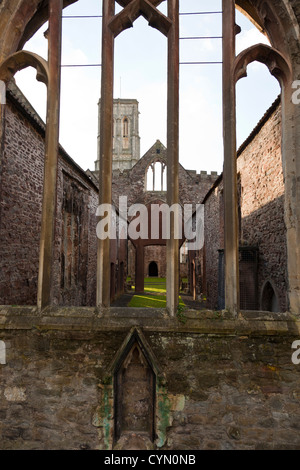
<point>249,38</point>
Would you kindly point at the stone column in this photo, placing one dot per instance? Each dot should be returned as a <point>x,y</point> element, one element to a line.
<point>106,139</point>
<point>173,156</point>
<point>291,169</point>
<point>139,268</point>
<point>230,166</point>
<point>51,155</point>
<point>2,125</point>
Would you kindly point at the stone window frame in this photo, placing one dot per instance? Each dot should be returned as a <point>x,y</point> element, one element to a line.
<point>125,132</point>
<point>271,284</point>
<point>163,173</point>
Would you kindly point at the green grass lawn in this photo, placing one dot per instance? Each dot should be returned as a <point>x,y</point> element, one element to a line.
<point>150,301</point>
<point>154,295</point>
<point>155,285</point>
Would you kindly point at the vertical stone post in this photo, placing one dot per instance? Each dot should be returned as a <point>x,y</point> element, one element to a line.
<point>106,141</point>
<point>139,268</point>
<point>173,156</point>
<point>2,123</point>
<point>51,154</point>
<point>230,166</point>
<point>291,168</point>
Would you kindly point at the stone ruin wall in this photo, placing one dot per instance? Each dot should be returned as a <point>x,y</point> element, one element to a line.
<point>259,166</point>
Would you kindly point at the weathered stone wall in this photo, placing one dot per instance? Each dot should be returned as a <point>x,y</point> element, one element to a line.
<point>21,190</point>
<point>21,202</point>
<point>131,183</point>
<point>158,255</point>
<point>261,204</point>
<point>223,383</point>
<point>82,203</point>
<point>213,241</point>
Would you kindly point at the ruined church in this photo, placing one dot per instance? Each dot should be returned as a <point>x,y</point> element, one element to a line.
<point>81,369</point>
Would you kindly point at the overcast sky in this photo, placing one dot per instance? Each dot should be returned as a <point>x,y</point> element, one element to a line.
<point>141,73</point>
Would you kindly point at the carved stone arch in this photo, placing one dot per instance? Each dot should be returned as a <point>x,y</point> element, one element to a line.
<point>250,12</point>
<point>275,21</point>
<point>38,19</point>
<point>19,21</point>
<point>21,60</point>
<point>269,300</point>
<point>151,165</point>
<point>273,59</point>
<point>135,8</point>
<point>135,376</point>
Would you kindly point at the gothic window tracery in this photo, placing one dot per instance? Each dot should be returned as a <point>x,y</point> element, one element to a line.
<point>156,176</point>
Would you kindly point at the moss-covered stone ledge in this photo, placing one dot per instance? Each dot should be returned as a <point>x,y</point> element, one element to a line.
<point>197,321</point>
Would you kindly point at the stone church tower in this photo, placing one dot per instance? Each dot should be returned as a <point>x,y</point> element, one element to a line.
<point>126,139</point>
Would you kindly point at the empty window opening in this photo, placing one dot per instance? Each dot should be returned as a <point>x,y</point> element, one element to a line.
<point>156,177</point>
<point>253,99</point>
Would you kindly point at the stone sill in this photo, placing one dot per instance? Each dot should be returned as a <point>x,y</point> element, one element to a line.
<point>246,323</point>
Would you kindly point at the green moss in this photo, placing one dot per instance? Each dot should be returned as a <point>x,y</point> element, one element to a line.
<point>164,409</point>
<point>107,415</point>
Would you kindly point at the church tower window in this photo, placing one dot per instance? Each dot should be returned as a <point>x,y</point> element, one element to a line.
<point>125,133</point>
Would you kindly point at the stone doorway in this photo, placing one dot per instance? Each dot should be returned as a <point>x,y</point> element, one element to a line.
<point>153,269</point>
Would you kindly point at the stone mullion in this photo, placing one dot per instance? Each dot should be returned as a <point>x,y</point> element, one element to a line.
<point>230,164</point>
<point>173,156</point>
<point>291,167</point>
<point>106,151</point>
<point>51,155</point>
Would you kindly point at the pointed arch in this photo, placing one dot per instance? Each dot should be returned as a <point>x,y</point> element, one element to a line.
<point>125,126</point>
<point>273,59</point>
<point>269,298</point>
<point>155,176</point>
<point>21,60</point>
<point>136,8</point>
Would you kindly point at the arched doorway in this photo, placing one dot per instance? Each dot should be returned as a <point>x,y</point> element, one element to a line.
<point>153,269</point>
<point>269,299</point>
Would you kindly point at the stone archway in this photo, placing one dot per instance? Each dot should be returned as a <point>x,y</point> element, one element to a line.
<point>269,299</point>
<point>153,269</point>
